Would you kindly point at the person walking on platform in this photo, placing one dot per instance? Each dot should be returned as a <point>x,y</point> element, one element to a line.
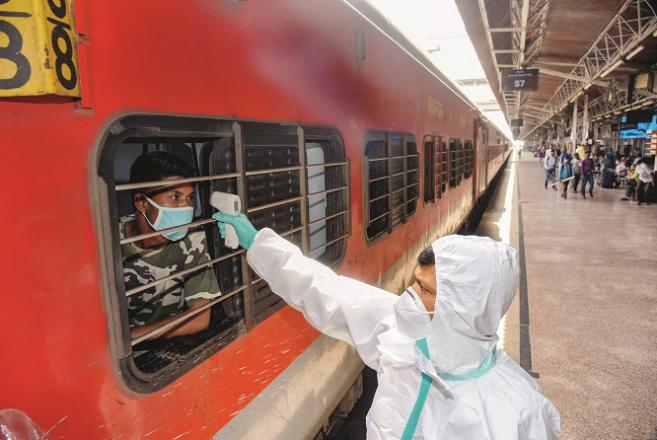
<point>577,171</point>
<point>565,175</point>
<point>645,181</point>
<point>588,168</point>
<point>550,166</point>
<point>434,347</point>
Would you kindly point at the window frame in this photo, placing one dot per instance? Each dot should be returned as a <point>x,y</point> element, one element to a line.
<point>104,189</point>
<point>406,139</point>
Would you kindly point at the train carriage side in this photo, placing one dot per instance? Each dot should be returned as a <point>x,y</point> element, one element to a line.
<point>253,100</point>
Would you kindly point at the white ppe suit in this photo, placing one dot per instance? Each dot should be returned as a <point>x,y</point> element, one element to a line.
<point>439,378</point>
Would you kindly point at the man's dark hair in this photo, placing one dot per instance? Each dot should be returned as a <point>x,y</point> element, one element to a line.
<point>427,257</point>
<point>158,165</point>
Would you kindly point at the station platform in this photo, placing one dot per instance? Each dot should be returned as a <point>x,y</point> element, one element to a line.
<point>589,331</point>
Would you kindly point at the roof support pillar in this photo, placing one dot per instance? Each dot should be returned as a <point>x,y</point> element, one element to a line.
<point>585,119</point>
<point>573,126</point>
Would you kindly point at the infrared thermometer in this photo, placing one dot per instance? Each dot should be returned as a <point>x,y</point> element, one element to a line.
<point>231,204</point>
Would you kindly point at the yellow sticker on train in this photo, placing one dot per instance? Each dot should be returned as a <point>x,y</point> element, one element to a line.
<point>38,48</point>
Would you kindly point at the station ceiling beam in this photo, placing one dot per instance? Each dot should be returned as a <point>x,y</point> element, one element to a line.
<point>636,20</point>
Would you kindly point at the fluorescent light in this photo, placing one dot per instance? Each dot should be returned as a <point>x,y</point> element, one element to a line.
<point>612,68</point>
<point>634,52</point>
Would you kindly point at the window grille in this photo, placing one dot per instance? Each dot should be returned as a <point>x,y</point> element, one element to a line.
<point>291,179</point>
<point>392,181</point>
<point>430,169</point>
<point>435,168</point>
<point>469,159</point>
<point>453,162</point>
<point>444,166</point>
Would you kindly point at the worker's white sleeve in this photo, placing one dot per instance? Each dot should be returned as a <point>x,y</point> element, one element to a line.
<point>337,306</point>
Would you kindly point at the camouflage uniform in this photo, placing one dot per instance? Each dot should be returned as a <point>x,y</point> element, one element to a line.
<point>173,296</point>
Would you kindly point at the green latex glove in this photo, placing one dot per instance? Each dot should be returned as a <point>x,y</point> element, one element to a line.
<point>245,231</point>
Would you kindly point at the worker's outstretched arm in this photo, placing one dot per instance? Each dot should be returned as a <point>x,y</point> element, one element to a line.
<point>338,306</point>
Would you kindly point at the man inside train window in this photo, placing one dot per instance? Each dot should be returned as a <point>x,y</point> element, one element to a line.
<point>152,258</point>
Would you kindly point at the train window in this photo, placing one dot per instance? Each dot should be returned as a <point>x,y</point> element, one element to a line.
<point>435,168</point>
<point>469,159</point>
<point>444,165</point>
<point>392,181</point>
<point>179,294</point>
<point>430,169</point>
<point>454,162</point>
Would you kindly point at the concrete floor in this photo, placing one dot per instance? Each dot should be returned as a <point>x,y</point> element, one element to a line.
<point>592,290</point>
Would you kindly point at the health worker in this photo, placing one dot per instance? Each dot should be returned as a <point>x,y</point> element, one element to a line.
<point>434,347</point>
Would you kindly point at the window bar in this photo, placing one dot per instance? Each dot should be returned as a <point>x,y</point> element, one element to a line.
<point>314,222</point>
<point>329,191</point>
<point>376,179</point>
<point>303,189</point>
<point>326,165</point>
<point>376,199</point>
<point>275,204</point>
<point>164,231</point>
<point>273,171</point>
<point>240,159</point>
<point>166,183</point>
<point>379,217</point>
<point>182,273</point>
<point>184,317</point>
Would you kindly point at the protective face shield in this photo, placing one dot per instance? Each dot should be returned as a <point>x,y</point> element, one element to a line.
<point>170,218</point>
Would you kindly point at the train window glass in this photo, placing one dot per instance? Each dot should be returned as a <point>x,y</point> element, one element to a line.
<point>430,169</point>
<point>392,181</point>
<point>181,295</point>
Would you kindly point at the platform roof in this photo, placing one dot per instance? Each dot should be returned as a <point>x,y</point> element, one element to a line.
<point>560,38</point>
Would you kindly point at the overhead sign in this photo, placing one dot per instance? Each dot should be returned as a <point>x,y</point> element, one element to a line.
<point>38,54</point>
<point>520,80</point>
<point>516,122</point>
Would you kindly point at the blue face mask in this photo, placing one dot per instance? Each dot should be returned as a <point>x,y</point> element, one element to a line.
<point>169,218</point>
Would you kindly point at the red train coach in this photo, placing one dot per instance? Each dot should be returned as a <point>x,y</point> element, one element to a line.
<point>332,128</point>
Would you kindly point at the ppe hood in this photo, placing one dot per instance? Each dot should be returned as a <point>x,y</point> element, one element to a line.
<point>476,280</point>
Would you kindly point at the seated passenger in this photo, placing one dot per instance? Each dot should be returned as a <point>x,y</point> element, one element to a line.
<point>153,258</point>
